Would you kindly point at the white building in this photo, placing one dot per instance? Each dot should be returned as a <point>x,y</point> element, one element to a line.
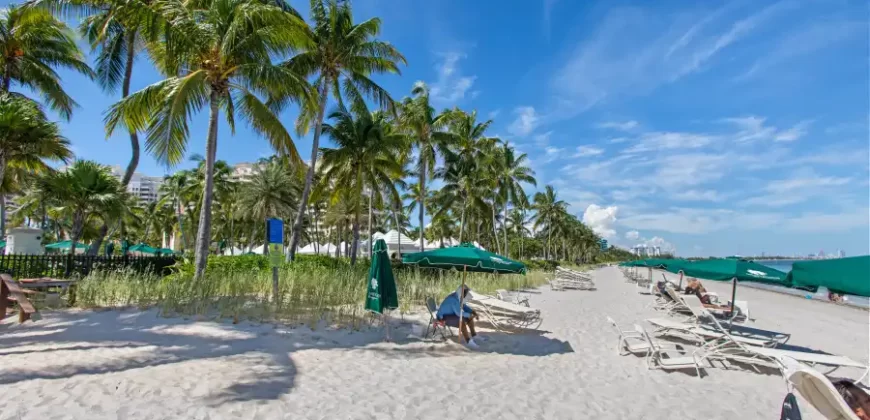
<point>145,187</point>
<point>243,171</point>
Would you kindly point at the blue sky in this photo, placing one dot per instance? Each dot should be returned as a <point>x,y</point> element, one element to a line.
<point>711,128</point>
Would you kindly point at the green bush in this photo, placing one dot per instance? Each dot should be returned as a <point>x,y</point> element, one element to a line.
<point>543,265</point>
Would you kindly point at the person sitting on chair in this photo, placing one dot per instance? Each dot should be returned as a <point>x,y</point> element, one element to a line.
<point>448,312</point>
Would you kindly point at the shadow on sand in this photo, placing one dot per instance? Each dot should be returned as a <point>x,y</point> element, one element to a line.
<point>144,339</point>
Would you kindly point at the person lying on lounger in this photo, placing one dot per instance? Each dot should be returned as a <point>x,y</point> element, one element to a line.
<point>855,397</point>
<point>449,313</point>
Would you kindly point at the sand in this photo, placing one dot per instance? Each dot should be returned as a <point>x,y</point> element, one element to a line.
<point>137,365</point>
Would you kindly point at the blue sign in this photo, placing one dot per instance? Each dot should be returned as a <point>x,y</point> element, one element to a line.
<point>603,244</point>
<point>275,231</point>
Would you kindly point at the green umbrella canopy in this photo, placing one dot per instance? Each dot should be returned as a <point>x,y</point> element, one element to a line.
<point>142,248</point>
<point>381,293</point>
<point>65,245</point>
<point>843,275</point>
<point>164,251</point>
<point>465,257</point>
<point>723,269</point>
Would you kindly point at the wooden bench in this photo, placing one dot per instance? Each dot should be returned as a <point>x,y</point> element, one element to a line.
<point>11,292</point>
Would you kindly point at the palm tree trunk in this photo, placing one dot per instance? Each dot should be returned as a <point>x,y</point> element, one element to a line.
<point>180,226</point>
<point>265,244</point>
<point>2,196</point>
<point>78,225</point>
<point>398,229</point>
<point>316,232</point>
<point>549,233</point>
<point>422,196</point>
<point>338,236</point>
<point>462,218</point>
<point>495,230</point>
<point>125,91</point>
<point>507,248</point>
<point>203,235</point>
<point>309,175</point>
<point>371,226</point>
<point>522,231</point>
<point>355,236</point>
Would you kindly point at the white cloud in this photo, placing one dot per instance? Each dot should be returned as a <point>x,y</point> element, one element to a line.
<point>601,219</point>
<point>632,235</point>
<point>830,222</point>
<point>451,86</point>
<point>802,186</point>
<point>700,220</point>
<point>805,40</point>
<point>584,151</point>
<point>553,153</point>
<point>494,113</point>
<point>656,141</point>
<point>633,51</point>
<point>543,139</point>
<point>698,195</point>
<point>619,125</point>
<point>617,140</point>
<point>526,121</point>
<point>752,128</point>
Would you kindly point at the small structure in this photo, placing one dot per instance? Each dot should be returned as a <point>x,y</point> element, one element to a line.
<point>24,240</point>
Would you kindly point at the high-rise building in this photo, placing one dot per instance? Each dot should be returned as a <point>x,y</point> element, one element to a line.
<point>145,187</point>
<point>841,253</point>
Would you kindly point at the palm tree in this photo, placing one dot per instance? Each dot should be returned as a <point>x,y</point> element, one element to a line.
<point>271,191</point>
<point>32,43</point>
<point>548,208</point>
<point>426,126</point>
<point>510,173</point>
<point>366,155</point>
<point>218,54</point>
<point>341,57</point>
<point>27,138</point>
<point>86,189</point>
<point>172,192</point>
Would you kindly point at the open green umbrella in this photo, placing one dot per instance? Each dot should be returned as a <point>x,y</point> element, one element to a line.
<point>724,269</point>
<point>465,257</point>
<point>381,293</point>
<point>142,248</point>
<point>67,244</point>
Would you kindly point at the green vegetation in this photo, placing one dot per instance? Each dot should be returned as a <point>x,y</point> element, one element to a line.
<point>312,289</point>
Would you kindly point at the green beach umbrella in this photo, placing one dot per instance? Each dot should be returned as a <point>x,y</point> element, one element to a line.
<point>110,248</point>
<point>142,248</point>
<point>724,269</point>
<point>465,257</point>
<point>842,275</point>
<point>67,244</point>
<point>381,292</point>
<point>125,246</point>
<point>165,251</point>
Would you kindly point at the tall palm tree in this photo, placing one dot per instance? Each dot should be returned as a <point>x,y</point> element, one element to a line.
<point>32,44</point>
<point>27,139</point>
<point>548,209</point>
<point>218,54</point>
<point>341,57</point>
<point>366,155</point>
<point>172,192</point>
<point>426,126</point>
<point>86,189</point>
<point>511,172</point>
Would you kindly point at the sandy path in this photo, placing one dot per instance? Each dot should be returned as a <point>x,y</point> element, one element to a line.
<point>135,365</point>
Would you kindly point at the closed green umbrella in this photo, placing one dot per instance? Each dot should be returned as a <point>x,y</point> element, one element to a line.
<point>465,257</point>
<point>381,293</point>
<point>843,275</point>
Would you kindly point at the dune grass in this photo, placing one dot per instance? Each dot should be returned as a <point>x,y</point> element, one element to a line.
<point>309,293</point>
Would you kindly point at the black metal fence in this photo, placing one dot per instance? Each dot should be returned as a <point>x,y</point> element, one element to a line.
<point>66,266</point>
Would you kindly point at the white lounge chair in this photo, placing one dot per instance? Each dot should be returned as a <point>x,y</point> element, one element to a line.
<point>699,334</point>
<point>670,357</point>
<point>817,389</point>
<point>630,341</point>
<point>513,297</point>
<point>705,318</point>
<point>501,313</point>
<point>570,279</point>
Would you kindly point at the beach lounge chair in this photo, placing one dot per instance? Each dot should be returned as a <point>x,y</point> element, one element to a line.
<point>670,357</point>
<point>817,389</point>
<point>502,314</point>
<point>699,334</point>
<point>741,309</point>
<point>570,279</point>
<point>630,341</point>
<point>678,305</point>
<point>435,324</point>
<point>512,297</point>
<point>705,318</point>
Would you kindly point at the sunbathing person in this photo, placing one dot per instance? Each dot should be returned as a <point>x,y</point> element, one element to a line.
<point>855,397</point>
<point>694,287</point>
<point>449,313</point>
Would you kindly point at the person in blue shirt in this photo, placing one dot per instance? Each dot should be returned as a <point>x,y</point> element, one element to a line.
<point>449,313</point>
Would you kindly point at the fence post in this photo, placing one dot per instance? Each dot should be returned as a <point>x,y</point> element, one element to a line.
<point>69,263</point>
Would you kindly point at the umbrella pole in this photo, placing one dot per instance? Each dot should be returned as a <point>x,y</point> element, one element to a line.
<point>461,302</point>
<point>733,296</point>
<point>681,280</point>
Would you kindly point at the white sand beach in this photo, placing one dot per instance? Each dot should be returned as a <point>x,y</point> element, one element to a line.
<point>137,365</point>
